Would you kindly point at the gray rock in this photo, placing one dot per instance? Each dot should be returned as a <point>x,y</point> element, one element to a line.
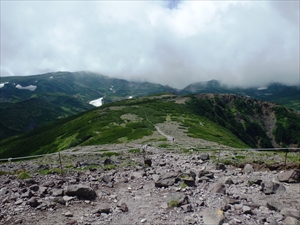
<point>3,191</point>
<point>213,217</point>
<point>148,162</point>
<point>180,198</point>
<point>124,207</point>
<point>246,209</point>
<point>33,202</point>
<point>274,205</point>
<point>166,180</point>
<point>155,177</point>
<point>268,187</point>
<point>227,180</point>
<point>57,192</point>
<point>189,220</point>
<point>72,222</point>
<point>187,208</point>
<point>188,179</point>
<point>291,176</point>
<point>220,166</point>
<point>254,180</point>
<point>204,173</point>
<point>81,191</point>
<point>108,161</point>
<point>291,221</point>
<point>19,202</point>
<point>106,178</point>
<point>68,214</point>
<point>68,198</point>
<point>27,194</point>
<point>248,168</point>
<point>217,188</point>
<point>103,209</point>
<point>34,187</point>
<point>204,157</point>
<point>290,212</point>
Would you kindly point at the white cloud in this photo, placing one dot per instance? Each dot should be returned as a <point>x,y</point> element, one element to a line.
<point>245,43</point>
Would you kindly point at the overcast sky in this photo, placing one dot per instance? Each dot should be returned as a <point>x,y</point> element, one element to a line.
<point>168,42</point>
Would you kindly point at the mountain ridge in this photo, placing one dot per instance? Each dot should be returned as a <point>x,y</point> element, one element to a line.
<point>68,93</point>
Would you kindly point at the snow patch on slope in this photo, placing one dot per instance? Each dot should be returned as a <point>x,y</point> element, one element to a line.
<point>96,102</point>
<point>30,87</point>
<point>2,84</point>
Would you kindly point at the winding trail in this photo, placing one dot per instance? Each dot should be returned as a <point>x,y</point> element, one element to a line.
<point>170,138</point>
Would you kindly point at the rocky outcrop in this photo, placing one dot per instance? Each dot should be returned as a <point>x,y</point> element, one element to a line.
<point>290,176</point>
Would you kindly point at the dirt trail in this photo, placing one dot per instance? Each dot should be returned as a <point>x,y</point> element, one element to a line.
<point>170,138</point>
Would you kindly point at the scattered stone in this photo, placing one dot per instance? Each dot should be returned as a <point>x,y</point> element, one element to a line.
<point>290,176</point>
<point>68,198</point>
<point>220,166</point>
<point>290,212</point>
<point>19,202</point>
<point>204,157</point>
<point>72,222</point>
<point>108,161</point>
<point>246,209</point>
<point>248,168</point>
<point>148,162</point>
<point>213,217</point>
<point>33,202</point>
<point>143,220</point>
<point>164,205</point>
<point>103,209</point>
<point>57,192</point>
<point>291,221</point>
<point>217,188</point>
<point>179,198</point>
<point>187,208</point>
<point>268,187</point>
<point>34,187</point>
<point>81,191</point>
<point>254,180</point>
<point>274,205</point>
<point>68,214</point>
<point>124,207</point>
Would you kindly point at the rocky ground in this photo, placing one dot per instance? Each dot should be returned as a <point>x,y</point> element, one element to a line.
<point>161,187</point>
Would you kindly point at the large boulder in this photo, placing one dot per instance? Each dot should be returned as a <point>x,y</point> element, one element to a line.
<point>166,179</point>
<point>290,176</point>
<point>81,191</point>
<point>268,187</point>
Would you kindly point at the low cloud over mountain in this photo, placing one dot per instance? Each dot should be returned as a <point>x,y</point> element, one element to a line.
<point>174,42</point>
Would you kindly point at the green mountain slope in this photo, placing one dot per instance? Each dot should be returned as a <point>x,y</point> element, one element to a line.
<point>225,119</point>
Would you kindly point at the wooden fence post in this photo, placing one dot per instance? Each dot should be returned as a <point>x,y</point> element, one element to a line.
<point>285,158</point>
<point>61,169</point>
<point>219,156</point>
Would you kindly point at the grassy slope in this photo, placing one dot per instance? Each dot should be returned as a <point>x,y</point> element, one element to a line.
<point>105,125</point>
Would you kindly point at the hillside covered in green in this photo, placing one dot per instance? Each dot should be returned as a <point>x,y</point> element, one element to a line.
<point>225,119</point>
